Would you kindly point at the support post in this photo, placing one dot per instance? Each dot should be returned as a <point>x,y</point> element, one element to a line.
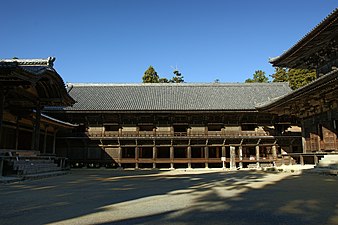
<point>303,137</point>
<point>257,155</point>
<point>2,106</point>
<point>136,157</point>
<point>172,157</point>
<point>301,159</point>
<point>232,157</point>
<point>45,140</point>
<point>2,161</point>
<point>189,156</point>
<point>154,156</point>
<point>37,128</point>
<point>274,152</point>
<point>206,156</point>
<point>17,133</point>
<point>119,155</point>
<point>240,154</point>
<point>223,155</point>
<point>54,142</point>
<point>315,159</point>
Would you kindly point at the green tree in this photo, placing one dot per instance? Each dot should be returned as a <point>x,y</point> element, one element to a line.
<point>280,75</point>
<point>300,77</point>
<point>163,80</point>
<point>150,76</point>
<point>258,77</point>
<point>178,78</point>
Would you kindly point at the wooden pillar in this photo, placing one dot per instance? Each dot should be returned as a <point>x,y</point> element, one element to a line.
<point>303,137</point>
<point>2,106</point>
<point>223,155</point>
<point>17,133</point>
<point>274,151</point>
<point>45,140</point>
<point>37,128</point>
<point>232,157</point>
<point>301,159</point>
<point>54,141</point>
<point>189,156</point>
<point>257,155</point>
<point>136,157</point>
<point>154,156</point>
<point>172,157</point>
<point>315,159</point>
<point>2,161</point>
<point>240,154</point>
<point>119,155</point>
<point>224,151</point>
<point>206,156</point>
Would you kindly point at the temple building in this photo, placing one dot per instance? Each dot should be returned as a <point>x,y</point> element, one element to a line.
<point>175,125</point>
<point>316,104</point>
<point>26,86</point>
<point>186,125</point>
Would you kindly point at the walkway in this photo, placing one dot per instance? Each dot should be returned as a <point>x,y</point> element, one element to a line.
<point>105,196</point>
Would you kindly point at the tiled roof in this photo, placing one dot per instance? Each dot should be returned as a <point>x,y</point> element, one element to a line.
<point>33,66</point>
<point>172,97</point>
<point>301,92</point>
<point>313,39</point>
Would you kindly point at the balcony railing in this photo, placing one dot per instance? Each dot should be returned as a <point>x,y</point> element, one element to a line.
<point>180,134</point>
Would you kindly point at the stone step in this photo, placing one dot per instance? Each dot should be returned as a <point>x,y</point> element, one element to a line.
<point>24,167</point>
<point>330,161</point>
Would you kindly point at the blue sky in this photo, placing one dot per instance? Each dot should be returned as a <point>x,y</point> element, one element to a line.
<point>117,40</point>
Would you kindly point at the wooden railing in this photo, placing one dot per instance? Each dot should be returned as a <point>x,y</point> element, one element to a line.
<point>178,134</point>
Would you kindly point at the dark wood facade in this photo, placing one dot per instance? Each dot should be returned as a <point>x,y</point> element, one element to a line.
<point>316,104</point>
<point>173,139</point>
<point>26,86</point>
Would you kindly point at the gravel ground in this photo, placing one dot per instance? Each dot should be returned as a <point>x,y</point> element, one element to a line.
<point>103,196</point>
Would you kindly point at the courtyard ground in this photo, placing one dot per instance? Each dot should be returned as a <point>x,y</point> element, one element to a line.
<point>103,196</point>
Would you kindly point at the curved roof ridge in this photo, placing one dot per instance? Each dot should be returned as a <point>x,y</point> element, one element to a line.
<point>299,43</point>
<point>173,84</point>
<point>31,62</point>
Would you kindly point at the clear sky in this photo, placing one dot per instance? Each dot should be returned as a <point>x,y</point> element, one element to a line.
<point>117,40</point>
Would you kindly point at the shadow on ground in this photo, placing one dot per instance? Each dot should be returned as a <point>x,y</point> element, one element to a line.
<point>179,197</point>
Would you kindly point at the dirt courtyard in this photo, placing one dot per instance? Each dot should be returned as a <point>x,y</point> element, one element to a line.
<point>103,196</point>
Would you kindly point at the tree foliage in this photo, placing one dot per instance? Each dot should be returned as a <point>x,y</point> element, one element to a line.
<point>300,77</point>
<point>150,76</point>
<point>296,77</point>
<point>280,75</point>
<point>178,78</point>
<point>258,77</point>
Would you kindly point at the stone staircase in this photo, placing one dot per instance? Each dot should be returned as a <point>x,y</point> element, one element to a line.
<point>328,164</point>
<point>36,166</point>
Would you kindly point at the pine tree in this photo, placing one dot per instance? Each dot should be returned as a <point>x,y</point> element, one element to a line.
<point>150,76</point>
<point>258,77</point>
<point>280,75</point>
<point>178,78</point>
<point>300,77</point>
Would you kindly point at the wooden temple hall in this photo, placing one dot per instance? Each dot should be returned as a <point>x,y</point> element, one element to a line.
<point>175,125</point>
<point>188,125</point>
<point>26,135</point>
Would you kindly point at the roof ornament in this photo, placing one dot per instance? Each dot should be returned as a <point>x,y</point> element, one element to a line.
<point>50,61</point>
